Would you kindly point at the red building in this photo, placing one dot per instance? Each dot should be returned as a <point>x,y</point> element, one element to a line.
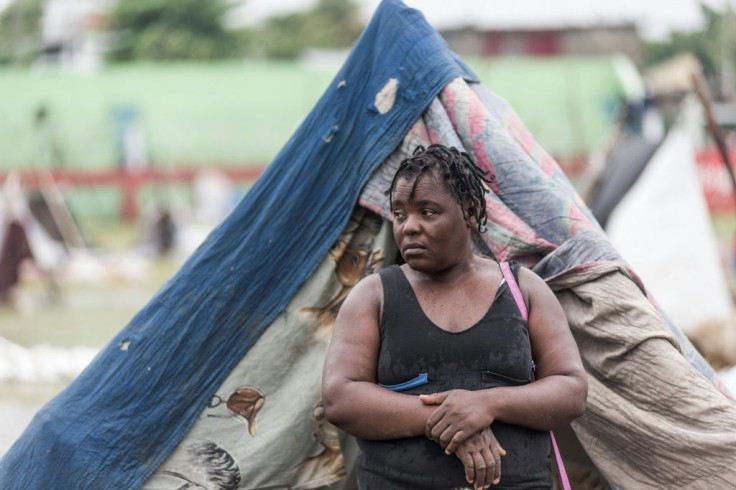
<point>546,41</point>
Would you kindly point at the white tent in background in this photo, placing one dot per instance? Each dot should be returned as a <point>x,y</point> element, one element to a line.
<point>662,228</point>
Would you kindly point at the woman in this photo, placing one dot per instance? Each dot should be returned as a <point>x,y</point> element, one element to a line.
<point>445,326</point>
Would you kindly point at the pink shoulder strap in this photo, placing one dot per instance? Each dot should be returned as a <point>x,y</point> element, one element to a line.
<point>515,291</point>
<point>521,304</point>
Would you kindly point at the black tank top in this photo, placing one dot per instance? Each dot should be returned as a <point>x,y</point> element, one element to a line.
<point>418,357</point>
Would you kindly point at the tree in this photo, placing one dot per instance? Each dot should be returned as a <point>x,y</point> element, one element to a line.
<point>282,36</point>
<point>172,30</point>
<point>714,45</point>
<point>333,24</point>
<point>330,24</point>
<point>20,31</point>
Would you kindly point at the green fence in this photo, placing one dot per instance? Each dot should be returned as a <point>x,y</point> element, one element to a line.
<point>241,114</point>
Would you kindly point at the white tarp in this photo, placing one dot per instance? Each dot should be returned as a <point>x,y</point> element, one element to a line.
<point>663,230</point>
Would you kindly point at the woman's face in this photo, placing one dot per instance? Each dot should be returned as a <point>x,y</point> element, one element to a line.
<point>429,227</point>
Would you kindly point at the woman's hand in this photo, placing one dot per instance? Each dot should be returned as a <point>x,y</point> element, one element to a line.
<point>460,415</point>
<point>481,456</point>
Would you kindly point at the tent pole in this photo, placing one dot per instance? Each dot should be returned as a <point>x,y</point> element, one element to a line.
<point>70,233</point>
<point>714,129</point>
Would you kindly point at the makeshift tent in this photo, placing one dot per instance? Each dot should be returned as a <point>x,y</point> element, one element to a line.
<point>624,165</point>
<point>216,381</point>
<point>652,206</point>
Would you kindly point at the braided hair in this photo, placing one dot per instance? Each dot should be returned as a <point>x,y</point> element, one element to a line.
<point>462,177</point>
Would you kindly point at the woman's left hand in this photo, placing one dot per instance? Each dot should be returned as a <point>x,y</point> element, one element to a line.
<point>461,413</point>
<point>481,457</point>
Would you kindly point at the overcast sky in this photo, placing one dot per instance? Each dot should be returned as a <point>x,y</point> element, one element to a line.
<point>655,18</point>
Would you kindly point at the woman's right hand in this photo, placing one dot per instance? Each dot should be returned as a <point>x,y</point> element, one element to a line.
<point>481,456</point>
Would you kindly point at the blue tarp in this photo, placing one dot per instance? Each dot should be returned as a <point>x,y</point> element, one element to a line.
<point>118,421</point>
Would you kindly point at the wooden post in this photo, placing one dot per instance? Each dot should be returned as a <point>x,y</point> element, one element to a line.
<point>715,131</point>
<point>129,189</point>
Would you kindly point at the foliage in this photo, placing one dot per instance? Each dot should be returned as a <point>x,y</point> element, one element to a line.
<point>20,31</point>
<point>706,44</point>
<point>333,24</point>
<point>282,36</point>
<point>330,24</point>
<point>172,30</point>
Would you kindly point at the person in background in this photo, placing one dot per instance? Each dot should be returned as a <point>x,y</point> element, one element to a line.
<point>15,249</point>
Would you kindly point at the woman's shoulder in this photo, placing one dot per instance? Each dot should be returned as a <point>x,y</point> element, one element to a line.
<point>365,296</point>
<point>530,283</point>
<point>371,282</point>
<point>527,279</point>
<point>525,273</point>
